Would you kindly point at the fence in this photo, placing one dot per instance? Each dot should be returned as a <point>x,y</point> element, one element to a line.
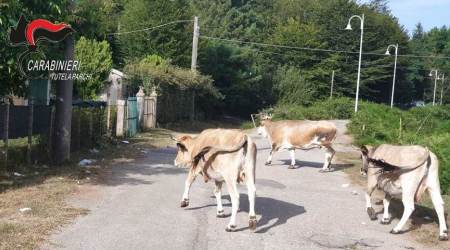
<point>27,134</point>
<point>174,104</point>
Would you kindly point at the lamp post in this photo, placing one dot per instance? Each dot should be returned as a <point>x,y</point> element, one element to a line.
<point>349,27</point>
<point>395,70</point>
<point>435,83</point>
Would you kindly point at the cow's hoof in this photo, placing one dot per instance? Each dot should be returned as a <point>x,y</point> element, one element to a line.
<point>268,163</point>
<point>444,236</point>
<point>252,223</point>
<point>291,167</point>
<point>325,170</point>
<point>221,214</point>
<point>393,231</point>
<point>385,221</point>
<point>231,228</point>
<point>371,213</point>
<point>184,203</point>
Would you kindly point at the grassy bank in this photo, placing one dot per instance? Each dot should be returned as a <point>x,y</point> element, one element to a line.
<point>376,124</point>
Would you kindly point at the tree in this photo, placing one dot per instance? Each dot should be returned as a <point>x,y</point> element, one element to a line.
<point>172,42</point>
<point>95,59</point>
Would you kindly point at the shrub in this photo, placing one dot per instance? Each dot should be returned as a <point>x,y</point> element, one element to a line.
<point>338,108</point>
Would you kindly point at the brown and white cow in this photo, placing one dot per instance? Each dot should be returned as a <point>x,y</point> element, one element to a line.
<point>304,135</point>
<point>225,155</point>
<point>404,171</point>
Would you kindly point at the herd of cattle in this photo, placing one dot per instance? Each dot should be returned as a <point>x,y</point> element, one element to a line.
<point>229,156</point>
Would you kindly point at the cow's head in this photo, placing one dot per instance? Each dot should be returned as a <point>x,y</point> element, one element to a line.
<point>366,152</point>
<point>263,121</point>
<point>183,158</point>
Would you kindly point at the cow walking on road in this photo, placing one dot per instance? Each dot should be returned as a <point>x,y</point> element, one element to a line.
<point>304,135</point>
<point>404,171</point>
<point>225,155</point>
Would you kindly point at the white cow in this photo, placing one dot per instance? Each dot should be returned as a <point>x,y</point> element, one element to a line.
<point>304,135</point>
<point>405,171</point>
<point>224,155</point>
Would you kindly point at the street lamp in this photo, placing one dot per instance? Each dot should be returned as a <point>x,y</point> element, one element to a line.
<point>395,69</point>
<point>349,27</point>
<point>435,83</point>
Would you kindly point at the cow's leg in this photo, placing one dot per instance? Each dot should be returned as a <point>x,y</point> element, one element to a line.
<point>408,204</point>
<point>292,153</point>
<point>269,159</point>
<point>386,217</point>
<point>329,153</point>
<point>438,203</point>
<point>251,201</point>
<point>187,185</point>
<point>369,208</point>
<point>218,194</point>
<point>234,195</point>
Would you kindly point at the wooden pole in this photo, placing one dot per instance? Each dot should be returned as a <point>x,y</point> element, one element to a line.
<point>50,134</point>
<point>91,126</point>
<point>332,85</point>
<point>108,119</point>
<point>6,133</point>
<point>195,36</point>
<point>30,129</point>
<point>80,113</point>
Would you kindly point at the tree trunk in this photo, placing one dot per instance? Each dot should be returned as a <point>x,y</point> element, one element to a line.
<point>63,115</point>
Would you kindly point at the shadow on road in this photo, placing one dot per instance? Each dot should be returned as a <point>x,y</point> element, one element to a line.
<point>273,212</point>
<point>137,171</point>
<point>310,164</point>
<point>421,216</point>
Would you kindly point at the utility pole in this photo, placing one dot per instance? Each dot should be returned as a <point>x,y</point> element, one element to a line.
<point>195,44</point>
<point>442,88</point>
<point>63,114</point>
<point>332,84</point>
<point>195,36</point>
<point>435,71</point>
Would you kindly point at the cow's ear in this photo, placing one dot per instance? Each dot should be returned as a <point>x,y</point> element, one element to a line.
<point>182,147</point>
<point>366,150</point>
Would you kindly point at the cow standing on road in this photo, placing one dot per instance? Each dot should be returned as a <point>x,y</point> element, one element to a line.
<point>304,135</point>
<point>224,155</point>
<point>405,171</point>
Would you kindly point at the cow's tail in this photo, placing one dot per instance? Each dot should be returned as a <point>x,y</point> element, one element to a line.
<point>330,134</point>
<point>430,181</point>
<point>247,172</point>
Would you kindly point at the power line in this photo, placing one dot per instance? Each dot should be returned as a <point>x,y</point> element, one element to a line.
<point>315,49</point>
<point>150,28</point>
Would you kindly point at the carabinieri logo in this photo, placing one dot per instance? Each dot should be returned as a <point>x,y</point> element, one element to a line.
<point>30,35</point>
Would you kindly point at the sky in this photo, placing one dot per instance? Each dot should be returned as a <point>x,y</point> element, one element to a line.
<point>431,13</point>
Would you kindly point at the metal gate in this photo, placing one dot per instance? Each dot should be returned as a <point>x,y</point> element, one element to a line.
<point>132,116</point>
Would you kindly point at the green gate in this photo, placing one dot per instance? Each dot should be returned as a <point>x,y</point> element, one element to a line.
<point>132,116</point>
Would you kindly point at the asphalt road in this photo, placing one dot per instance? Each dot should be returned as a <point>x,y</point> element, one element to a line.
<point>138,208</point>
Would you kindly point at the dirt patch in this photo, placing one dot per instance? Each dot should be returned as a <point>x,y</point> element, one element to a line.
<point>43,209</point>
<point>423,224</point>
